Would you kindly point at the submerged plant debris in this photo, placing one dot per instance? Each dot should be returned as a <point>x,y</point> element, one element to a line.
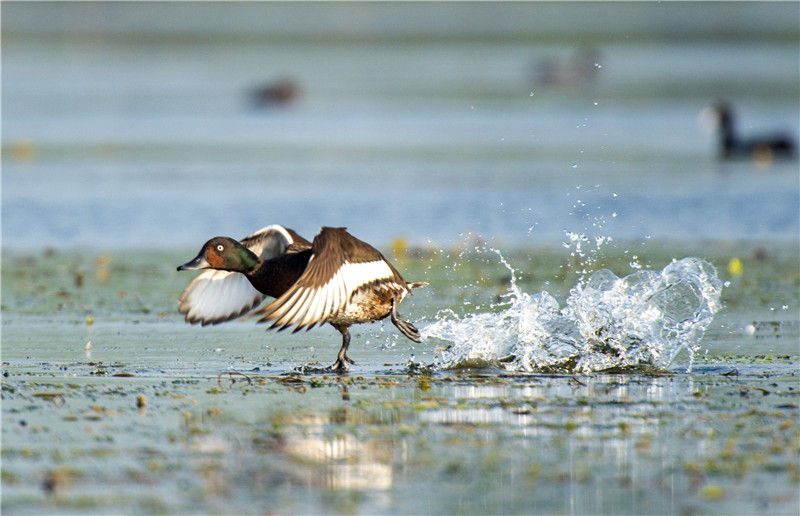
<point>157,416</point>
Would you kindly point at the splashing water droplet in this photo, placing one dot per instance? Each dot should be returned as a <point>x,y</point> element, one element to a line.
<point>609,323</point>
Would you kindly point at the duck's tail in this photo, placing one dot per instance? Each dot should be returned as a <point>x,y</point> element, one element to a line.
<point>418,284</point>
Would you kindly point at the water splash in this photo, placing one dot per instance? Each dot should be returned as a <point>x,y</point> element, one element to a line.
<point>642,320</point>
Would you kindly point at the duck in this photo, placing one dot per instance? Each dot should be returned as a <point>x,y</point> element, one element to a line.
<point>759,148</point>
<point>281,92</point>
<point>335,279</point>
<point>582,68</point>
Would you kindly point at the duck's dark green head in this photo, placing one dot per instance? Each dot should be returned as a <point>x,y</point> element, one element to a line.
<point>225,254</point>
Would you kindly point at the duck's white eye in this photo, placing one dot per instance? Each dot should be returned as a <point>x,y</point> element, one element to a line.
<point>220,248</point>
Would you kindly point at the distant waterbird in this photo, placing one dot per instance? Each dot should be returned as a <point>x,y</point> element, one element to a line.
<point>279,93</point>
<point>762,149</point>
<point>580,69</point>
<point>337,279</point>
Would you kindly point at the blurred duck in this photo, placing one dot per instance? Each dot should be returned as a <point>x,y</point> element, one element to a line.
<point>337,279</point>
<point>579,69</point>
<point>279,93</point>
<point>762,149</point>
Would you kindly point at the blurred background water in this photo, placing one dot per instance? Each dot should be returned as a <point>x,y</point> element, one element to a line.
<point>152,125</point>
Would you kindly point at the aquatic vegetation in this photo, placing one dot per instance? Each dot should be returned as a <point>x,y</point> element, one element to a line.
<point>162,419</point>
<point>370,439</point>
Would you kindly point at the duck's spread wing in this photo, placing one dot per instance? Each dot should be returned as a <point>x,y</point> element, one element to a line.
<point>273,241</point>
<point>218,296</point>
<point>340,264</point>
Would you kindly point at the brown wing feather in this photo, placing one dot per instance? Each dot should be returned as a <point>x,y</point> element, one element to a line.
<point>273,241</point>
<point>299,244</point>
<point>339,265</point>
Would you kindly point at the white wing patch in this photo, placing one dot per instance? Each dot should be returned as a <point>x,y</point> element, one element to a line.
<point>310,306</point>
<point>217,296</point>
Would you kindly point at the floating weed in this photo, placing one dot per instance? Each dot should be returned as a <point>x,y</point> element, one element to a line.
<point>396,431</point>
<point>712,492</point>
<point>54,397</point>
<point>8,477</point>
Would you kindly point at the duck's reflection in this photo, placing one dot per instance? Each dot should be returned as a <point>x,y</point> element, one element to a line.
<point>346,462</point>
<point>350,448</point>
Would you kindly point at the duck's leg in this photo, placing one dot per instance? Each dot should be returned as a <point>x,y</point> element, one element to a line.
<point>405,327</point>
<point>342,359</point>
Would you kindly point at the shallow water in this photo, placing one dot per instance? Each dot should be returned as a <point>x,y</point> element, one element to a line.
<point>608,323</point>
<point>111,129</point>
<point>394,436</point>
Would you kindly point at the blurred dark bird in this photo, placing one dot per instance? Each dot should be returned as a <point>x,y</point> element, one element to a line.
<point>279,93</point>
<point>761,149</point>
<point>579,69</point>
<point>337,279</point>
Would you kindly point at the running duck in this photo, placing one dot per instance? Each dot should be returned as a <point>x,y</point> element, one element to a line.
<point>337,279</point>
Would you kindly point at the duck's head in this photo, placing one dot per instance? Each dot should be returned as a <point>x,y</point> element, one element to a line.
<point>222,253</point>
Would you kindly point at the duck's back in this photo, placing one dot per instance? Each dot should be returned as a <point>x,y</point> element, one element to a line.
<point>277,275</point>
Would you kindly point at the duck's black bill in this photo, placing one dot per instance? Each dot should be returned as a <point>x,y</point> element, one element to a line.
<point>198,263</point>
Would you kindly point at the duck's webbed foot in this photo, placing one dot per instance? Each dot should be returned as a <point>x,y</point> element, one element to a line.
<point>405,327</point>
<point>340,366</point>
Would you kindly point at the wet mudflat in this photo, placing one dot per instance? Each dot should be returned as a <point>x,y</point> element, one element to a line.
<point>111,403</point>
